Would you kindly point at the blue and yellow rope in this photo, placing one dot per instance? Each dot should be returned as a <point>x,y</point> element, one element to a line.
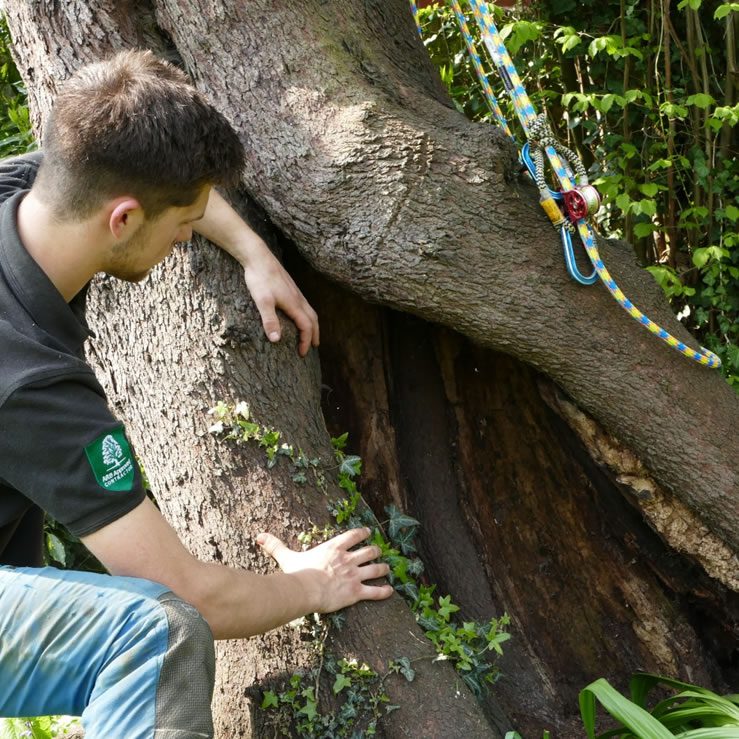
<point>527,116</point>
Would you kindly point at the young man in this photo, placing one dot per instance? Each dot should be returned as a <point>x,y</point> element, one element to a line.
<point>130,158</point>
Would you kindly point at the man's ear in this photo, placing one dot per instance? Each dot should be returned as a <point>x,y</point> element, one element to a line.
<point>125,217</point>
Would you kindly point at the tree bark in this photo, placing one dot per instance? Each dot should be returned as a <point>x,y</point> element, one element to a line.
<point>528,423</point>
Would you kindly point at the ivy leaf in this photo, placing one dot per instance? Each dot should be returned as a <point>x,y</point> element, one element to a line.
<point>398,521</point>
<point>409,589</point>
<point>404,667</point>
<point>309,709</point>
<point>351,465</point>
<point>341,682</point>
<point>446,607</point>
<point>415,568</point>
<point>270,700</point>
<point>339,442</point>
<point>404,540</point>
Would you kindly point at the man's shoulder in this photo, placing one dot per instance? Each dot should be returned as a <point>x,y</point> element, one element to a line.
<point>27,362</point>
<point>18,173</point>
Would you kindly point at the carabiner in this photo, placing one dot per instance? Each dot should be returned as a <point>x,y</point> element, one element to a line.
<point>570,262</point>
<point>529,163</point>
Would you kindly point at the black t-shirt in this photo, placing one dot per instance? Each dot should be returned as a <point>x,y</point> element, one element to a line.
<point>61,449</point>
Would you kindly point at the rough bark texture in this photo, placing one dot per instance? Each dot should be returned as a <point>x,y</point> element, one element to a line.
<point>533,434</point>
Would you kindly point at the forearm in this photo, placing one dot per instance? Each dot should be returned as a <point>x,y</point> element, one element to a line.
<point>223,226</point>
<point>269,284</point>
<point>239,603</point>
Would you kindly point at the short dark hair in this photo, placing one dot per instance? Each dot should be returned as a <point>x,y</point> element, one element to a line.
<point>134,124</point>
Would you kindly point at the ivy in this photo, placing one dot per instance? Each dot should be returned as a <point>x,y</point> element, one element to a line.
<point>470,646</point>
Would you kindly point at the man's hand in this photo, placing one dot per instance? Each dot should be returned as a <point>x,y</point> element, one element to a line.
<point>270,285</point>
<point>335,575</point>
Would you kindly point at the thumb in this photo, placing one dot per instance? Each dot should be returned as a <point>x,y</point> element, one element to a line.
<point>270,321</point>
<point>272,545</point>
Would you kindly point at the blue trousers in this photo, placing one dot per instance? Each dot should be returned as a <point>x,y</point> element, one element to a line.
<point>127,655</point>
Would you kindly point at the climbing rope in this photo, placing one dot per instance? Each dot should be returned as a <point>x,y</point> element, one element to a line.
<point>577,200</point>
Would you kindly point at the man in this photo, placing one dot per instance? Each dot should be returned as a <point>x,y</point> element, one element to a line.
<point>130,158</point>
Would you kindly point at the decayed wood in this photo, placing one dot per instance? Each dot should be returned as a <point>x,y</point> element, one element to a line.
<point>518,515</point>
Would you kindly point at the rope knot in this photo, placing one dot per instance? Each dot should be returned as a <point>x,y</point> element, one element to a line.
<point>540,132</point>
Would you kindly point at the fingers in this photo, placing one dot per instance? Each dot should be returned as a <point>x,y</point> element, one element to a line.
<point>365,554</point>
<point>349,539</point>
<point>374,571</point>
<point>375,592</point>
<point>273,546</point>
<point>296,308</point>
<point>305,327</point>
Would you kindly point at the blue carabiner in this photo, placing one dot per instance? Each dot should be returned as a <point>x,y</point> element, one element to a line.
<point>570,262</point>
<point>529,163</point>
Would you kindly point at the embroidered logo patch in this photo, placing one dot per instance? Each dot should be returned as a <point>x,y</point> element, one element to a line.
<point>111,460</point>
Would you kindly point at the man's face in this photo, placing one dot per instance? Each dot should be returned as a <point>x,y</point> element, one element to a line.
<point>154,240</point>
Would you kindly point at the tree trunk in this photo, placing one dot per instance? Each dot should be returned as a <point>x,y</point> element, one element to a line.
<point>558,456</point>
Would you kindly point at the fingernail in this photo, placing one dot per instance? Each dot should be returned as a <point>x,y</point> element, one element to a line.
<point>274,336</point>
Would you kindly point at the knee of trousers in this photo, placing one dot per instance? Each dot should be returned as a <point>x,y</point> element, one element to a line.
<point>190,644</point>
<point>190,656</point>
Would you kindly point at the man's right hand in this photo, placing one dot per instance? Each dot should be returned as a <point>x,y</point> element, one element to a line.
<point>334,573</point>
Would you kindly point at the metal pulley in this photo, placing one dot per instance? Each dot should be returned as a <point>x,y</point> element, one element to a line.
<point>581,202</point>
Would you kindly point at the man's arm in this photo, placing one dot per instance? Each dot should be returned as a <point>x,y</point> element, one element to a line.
<point>238,603</point>
<point>268,282</point>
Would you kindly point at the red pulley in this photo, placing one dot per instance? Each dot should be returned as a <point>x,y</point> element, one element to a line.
<point>581,202</point>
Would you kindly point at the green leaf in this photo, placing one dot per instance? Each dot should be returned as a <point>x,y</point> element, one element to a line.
<point>641,230</point>
<point>309,709</point>
<point>270,700</point>
<point>700,100</point>
<point>403,666</point>
<point>446,607</point>
<point>607,102</point>
<point>339,442</point>
<point>649,189</point>
<point>723,10</point>
<point>341,682</point>
<point>623,201</point>
<point>56,549</point>
<point>398,521</point>
<point>636,719</point>
<point>647,207</point>
<point>351,465</point>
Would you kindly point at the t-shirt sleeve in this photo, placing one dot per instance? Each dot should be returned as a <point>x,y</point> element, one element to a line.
<point>63,449</point>
<point>18,173</point>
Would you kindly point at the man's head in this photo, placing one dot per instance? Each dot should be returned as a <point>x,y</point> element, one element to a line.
<point>133,125</point>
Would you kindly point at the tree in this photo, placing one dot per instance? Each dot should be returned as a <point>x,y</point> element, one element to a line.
<point>566,467</point>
